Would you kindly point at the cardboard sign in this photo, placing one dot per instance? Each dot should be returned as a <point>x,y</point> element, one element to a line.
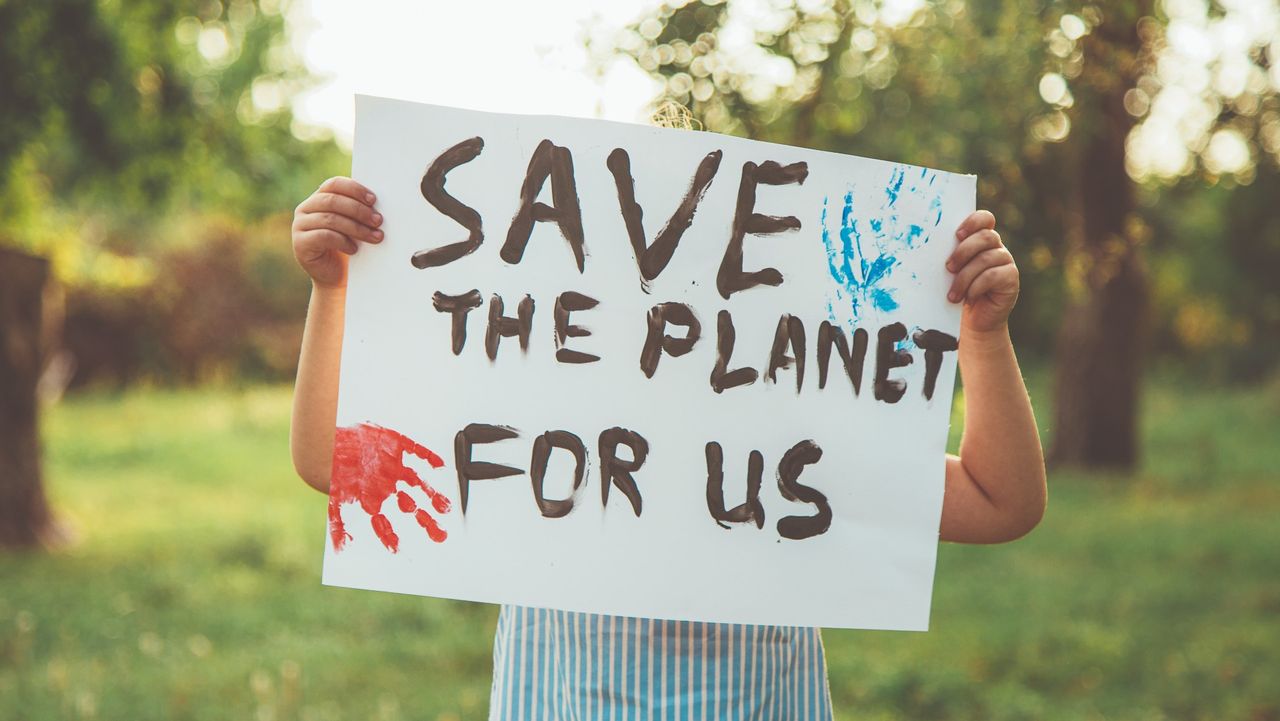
<point>646,372</point>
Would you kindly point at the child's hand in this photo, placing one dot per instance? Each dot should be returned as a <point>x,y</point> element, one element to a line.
<point>329,226</point>
<point>986,278</point>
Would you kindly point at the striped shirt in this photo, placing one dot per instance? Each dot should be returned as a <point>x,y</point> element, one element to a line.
<point>553,665</point>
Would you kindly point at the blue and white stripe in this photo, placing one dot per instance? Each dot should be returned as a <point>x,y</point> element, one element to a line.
<point>553,665</point>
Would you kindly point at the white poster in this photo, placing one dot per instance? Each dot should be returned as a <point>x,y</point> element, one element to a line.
<point>647,372</point>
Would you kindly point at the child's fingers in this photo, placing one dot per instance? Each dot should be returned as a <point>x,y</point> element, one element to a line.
<point>343,205</point>
<point>977,220</point>
<point>987,259</point>
<point>971,246</point>
<point>320,240</point>
<point>348,187</point>
<point>339,223</point>
<point>996,280</point>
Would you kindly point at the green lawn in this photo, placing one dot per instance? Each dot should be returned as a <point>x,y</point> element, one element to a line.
<point>193,590</point>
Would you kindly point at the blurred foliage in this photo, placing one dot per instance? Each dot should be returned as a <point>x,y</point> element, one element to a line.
<point>145,142</point>
<point>1217,281</point>
<point>224,302</point>
<point>134,127</point>
<point>144,106</point>
<point>987,88</point>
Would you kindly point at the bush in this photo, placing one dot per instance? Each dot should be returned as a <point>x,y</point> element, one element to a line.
<point>227,303</point>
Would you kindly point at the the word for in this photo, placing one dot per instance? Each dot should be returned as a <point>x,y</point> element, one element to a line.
<point>618,471</point>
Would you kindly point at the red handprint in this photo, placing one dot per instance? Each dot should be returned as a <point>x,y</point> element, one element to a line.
<point>368,461</point>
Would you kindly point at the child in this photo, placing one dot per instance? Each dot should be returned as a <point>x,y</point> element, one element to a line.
<point>560,665</point>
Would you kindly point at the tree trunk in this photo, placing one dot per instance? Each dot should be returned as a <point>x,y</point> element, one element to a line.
<point>1102,336</point>
<point>25,518</point>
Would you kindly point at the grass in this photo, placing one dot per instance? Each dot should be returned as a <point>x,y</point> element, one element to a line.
<point>192,591</point>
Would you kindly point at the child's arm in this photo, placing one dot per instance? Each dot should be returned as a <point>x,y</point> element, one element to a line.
<point>995,488</point>
<point>327,227</point>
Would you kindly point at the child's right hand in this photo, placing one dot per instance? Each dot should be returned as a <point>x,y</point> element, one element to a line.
<point>330,225</point>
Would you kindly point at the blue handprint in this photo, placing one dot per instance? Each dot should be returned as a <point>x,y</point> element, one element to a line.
<point>863,278</point>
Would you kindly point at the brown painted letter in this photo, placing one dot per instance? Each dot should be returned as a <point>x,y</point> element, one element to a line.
<point>566,303</point>
<point>889,357</point>
<point>501,326</point>
<point>828,336</point>
<point>551,160</point>
<point>934,343</point>
<point>721,376</point>
<point>432,188</point>
<point>542,446</point>
<point>793,462</point>
<point>469,470</point>
<point>731,278</point>
<point>654,258</point>
<point>617,471</point>
<point>458,306</point>
<point>790,331</point>
<point>750,509</point>
<point>658,342</point>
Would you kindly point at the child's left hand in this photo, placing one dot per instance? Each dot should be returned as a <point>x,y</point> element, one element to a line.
<point>986,278</point>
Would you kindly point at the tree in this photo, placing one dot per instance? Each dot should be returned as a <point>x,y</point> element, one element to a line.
<point>1042,100</point>
<point>1101,338</point>
<point>147,106</point>
<point>121,112</point>
<point>25,519</point>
